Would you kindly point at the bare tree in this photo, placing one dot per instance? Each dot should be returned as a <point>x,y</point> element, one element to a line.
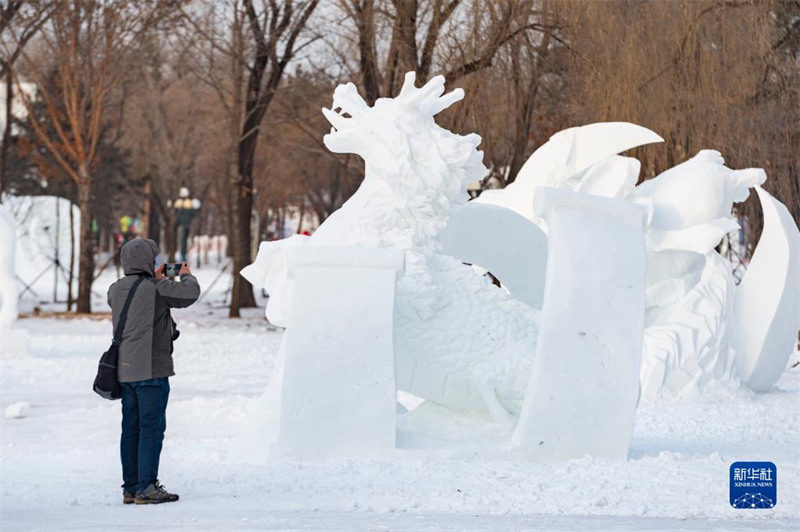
<point>420,35</point>
<point>704,74</point>
<point>19,22</point>
<point>86,45</point>
<point>263,41</point>
<point>172,135</point>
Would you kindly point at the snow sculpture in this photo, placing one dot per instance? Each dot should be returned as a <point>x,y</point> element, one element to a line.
<point>570,153</point>
<point>691,288</point>
<point>341,324</point>
<point>13,341</point>
<point>8,281</point>
<point>270,271</point>
<point>584,386</point>
<point>475,351</point>
<point>768,299</point>
<point>690,318</point>
<point>44,246</point>
<point>692,202</point>
<point>688,326</point>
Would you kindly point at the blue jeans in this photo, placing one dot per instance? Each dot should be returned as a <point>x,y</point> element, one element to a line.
<point>144,421</point>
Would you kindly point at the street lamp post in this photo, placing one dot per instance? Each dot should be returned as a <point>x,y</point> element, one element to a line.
<point>185,211</point>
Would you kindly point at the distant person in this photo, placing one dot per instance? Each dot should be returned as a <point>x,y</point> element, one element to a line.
<point>145,364</point>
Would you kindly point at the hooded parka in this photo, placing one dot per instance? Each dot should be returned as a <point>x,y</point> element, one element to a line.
<point>146,349</point>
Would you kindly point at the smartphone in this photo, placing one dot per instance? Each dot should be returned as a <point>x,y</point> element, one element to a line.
<point>172,269</point>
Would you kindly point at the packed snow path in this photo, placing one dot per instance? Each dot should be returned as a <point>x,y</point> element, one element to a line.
<point>60,469</point>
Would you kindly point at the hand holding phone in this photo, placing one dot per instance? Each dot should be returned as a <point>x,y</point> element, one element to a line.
<point>173,269</point>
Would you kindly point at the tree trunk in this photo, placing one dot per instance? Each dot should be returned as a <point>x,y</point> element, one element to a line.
<point>242,291</point>
<point>522,134</point>
<point>234,238</point>
<point>86,262</point>
<point>144,229</point>
<point>368,56</point>
<point>153,224</point>
<point>255,108</point>
<point>243,255</point>
<point>169,235</point>
<point>6,146</point>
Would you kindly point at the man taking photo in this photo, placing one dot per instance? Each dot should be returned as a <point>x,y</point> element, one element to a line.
<point>145,364</point>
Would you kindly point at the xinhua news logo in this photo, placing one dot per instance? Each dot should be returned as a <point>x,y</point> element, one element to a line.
<point>754,485</point>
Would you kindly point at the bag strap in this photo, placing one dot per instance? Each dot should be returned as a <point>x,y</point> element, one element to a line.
<point>124,316</point>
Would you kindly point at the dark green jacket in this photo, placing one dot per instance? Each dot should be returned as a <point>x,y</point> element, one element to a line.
<point>146,349</point>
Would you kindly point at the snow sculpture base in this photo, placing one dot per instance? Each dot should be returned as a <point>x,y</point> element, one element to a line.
<point>584,385</point>
<point>338,392</point>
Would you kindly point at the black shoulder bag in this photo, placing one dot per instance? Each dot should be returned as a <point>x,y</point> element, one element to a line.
<point>106,384</point>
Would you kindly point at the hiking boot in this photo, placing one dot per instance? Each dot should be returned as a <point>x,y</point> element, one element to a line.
<point>128,496</point>
<point>155,494</point>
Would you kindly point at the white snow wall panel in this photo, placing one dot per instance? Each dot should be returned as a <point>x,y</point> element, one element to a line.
<point>584,384</point>
<point>338,395</point>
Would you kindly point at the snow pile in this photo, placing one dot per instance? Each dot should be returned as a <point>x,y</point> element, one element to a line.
<point>17,410</point>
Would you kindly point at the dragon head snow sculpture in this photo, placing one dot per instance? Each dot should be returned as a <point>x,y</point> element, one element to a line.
<point>401,143</point>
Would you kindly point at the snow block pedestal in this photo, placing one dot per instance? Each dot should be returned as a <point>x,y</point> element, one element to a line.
<point>584,385</point>
<point>338,396</point>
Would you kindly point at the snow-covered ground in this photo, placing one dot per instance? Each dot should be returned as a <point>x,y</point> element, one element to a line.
<point>60,469</point>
